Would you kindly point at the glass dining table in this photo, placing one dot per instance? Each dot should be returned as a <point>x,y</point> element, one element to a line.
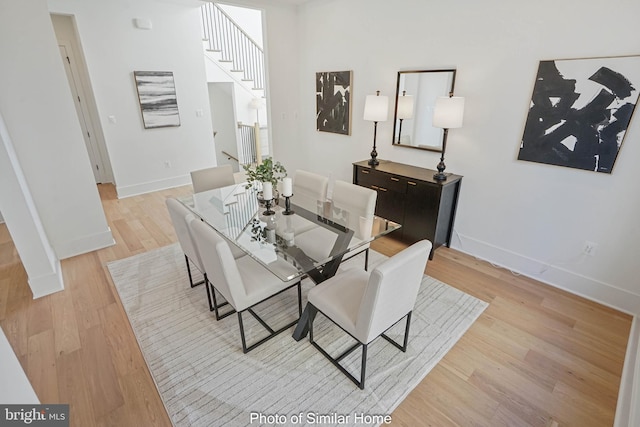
<point>311,240</point>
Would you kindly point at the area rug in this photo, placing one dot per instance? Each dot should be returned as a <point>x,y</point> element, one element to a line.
<point>204,379</point>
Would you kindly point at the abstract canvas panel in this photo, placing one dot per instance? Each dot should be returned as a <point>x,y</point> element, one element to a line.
<point>158,100</point>
<point>333,102</point>
<point>580,111</point>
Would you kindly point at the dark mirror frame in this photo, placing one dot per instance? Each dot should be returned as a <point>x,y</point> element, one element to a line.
<point>446,91</point>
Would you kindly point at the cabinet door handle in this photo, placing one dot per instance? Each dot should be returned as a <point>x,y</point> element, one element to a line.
<point>411,183</point>
<point>395,179</point>
<point>375,187</point>
<point>364,171</point>
<point>382,189</point>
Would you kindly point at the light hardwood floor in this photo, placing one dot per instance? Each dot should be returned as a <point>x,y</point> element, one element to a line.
<point>537,356</point>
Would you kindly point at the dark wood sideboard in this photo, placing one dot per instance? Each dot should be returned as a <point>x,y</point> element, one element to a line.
<point>409,195</point>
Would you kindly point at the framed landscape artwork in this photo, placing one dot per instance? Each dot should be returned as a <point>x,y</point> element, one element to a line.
<point>333,101</point>
<point>158,100</point>
<point>580,111</point>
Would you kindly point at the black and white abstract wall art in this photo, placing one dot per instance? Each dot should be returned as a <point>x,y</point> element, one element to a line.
<point>157,96</point>
<point>333,101</point>
<point>580,111</point>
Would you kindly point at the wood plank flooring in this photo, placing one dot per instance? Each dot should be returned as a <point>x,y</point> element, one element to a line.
<point>537,356</point>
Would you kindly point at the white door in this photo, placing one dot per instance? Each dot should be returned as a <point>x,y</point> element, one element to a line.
<point>83,114</point>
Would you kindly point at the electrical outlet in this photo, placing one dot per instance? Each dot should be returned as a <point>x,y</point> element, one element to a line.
<point>589,248</point>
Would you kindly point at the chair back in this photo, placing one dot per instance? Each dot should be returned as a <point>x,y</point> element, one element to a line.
<point>218,262</point>
<point>180,217</point>
<point>308,188</point>
<point>210,178</point>
<point>359,202</point>
<point>392,290</point>
<point>240,176</point>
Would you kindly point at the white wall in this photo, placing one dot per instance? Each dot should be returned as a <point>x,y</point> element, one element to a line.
<point>41,119</point>
<point>24,222</point>
<point>113,50</point>
<point>530,217</point>
<point>224,120</point>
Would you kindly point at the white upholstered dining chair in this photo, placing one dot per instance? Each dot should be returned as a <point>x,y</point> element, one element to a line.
<point>243,282</point>
<point>180,218</point>
<point>354,206</point>
<point>308,189</point>
<point>211,178</point>
<point>366,305</point>
<point>360,203</point>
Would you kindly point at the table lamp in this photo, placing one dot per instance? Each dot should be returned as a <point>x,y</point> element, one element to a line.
<point>376,109</point>
<point>447,114</point>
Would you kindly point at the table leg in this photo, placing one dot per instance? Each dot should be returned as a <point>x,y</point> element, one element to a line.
<point>302,329</point>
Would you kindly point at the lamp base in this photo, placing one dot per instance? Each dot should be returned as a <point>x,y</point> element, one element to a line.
<point>440,176</point>
<point>374,162</point>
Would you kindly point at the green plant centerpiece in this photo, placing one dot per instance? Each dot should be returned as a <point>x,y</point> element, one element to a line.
<point>267,171</point>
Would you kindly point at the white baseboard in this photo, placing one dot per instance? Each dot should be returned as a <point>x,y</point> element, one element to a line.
<point>85,244</point>
<point>148,187</point>
<point>628,408</point>
<point>589,288</point>
<point>47,284</point>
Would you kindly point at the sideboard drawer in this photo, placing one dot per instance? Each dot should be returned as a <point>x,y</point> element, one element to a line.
<point>365,176</point>
<point>392,182</point>
<point>380,180</point>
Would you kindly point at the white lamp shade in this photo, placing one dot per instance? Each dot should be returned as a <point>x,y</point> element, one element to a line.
<point>448,112</point>
<point>405,107</point>
<point>255,104</point>
<point>376,108</point>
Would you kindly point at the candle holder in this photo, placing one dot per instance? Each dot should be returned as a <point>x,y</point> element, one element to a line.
<point>268,212</point>
<point>287,206</point>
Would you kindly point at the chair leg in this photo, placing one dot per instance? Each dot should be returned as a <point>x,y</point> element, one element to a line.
<point>217,306</point>
<point>272,333</point>
<point>336,361</point>
<point>193,285</point>
<point>402,347</point>
<point>244,342</point>
<point>363,367</point>
<point>206,285</point>
<point>406,333</point>
<point>366,259</point>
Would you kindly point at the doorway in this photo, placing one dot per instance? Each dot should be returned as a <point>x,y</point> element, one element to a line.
<point>82,97</point>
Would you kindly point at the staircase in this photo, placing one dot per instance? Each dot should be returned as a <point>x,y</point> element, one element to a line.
<point>222,36</point>
<point>241,59</point>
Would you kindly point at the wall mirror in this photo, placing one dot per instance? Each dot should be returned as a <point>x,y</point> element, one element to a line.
<point>416,94</point>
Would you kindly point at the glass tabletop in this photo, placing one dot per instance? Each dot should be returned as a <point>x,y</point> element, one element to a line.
<point>291,245</point>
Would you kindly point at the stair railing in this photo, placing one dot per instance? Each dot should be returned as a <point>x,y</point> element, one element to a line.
<point>235,46</point>
<point>249,152</point>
